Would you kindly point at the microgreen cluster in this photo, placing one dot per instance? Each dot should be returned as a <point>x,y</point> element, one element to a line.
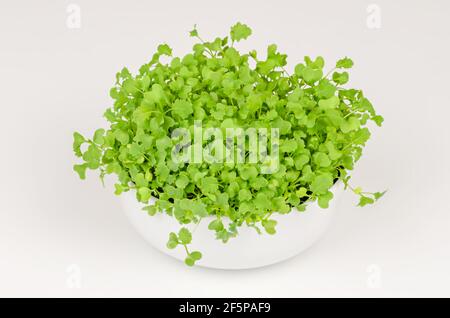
<point>322,127</point>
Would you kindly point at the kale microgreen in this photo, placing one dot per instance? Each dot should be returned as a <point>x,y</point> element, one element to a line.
<point>322,129</point>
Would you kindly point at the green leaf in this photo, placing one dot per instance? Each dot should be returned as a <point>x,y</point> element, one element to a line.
<point>144,194</point>
<point>99,136</point>
<point>78,140</point>
<point>321,159</point>
<point>333,152</point>
<point>311,75</point>
<point>92,156</point>
<point>164,49</point>
<point>151,210</point>
<point>182,108</point>
<point>329,103</point>
<point>325,89</point>
<point>322,183</point>
<point>302,192</point>
<point>199,209</point>
<point>196,255</point>
<point>194,32</point>
<point>288,146</point>
<point>248,173</point>
<point>182,181</point>
<point>258,183</point>
<point>324,199</point>
<point>156,95</point>
<point>300,161</point>
<point>361,136</point>
<point>119,189</point>
<point>122,136</point>
<point>299,69</point>
<point>189,261</point>
<point>364,200</point>
<point>340,78</point>
<point>173,241</point>
<point>130,86</point>
<point>378,195</point>
<point>209,185</point>
<point>269,226</point>
<point>245,195</point>
<point>262,202</point>
<point>318,63</point>
<point>279,204</point>
<point>184,236</point>
<point>81,170</point>
<point>216,225</point>
<point>239,32</point>
<point>378,120</point>
<point>344,63</point>
<point>352,123</point>
<point>139,180</point>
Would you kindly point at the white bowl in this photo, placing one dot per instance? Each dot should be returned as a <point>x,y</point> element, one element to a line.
<point>296,232</point>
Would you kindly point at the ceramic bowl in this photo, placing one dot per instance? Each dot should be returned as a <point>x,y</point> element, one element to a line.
<point>296,232</point>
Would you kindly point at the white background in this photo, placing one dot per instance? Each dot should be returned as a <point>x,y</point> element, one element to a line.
<point>55,80</point>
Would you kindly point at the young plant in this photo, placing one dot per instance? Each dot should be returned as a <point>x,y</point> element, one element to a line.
<point>322,127</point>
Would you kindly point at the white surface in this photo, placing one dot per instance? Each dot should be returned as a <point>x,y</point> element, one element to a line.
<point>55,228</point>
<point>296,232</point>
